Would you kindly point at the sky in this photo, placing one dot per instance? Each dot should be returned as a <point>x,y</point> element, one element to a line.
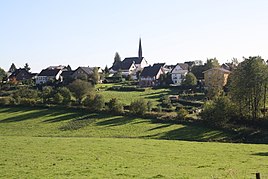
<point>89,33</point>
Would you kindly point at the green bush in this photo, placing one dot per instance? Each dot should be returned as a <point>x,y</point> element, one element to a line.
<point>6,100</point>
<point>98,102</point>
<point>58,98</point>
<point>182,114</point>
<point>219,111</point>
<point>115,106</point>
<point>138,107</point>
<point>27,101</point>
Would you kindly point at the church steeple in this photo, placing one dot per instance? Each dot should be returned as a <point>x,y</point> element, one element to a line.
<point>140,50</point>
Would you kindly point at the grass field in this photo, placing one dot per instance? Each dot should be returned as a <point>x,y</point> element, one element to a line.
<point>126,97</point>
<point>58,143</point>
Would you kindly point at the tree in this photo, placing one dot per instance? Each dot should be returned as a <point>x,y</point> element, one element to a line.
<point>26,67</point>
<point>117,59</point>
<point>138,107</point>
<point>106,70</point>
<point>190,80</point>
<point>248,87</point>
<point>12,68</point>
<point>66,94</point>
<point>47,94</point>
<point>80,89</point>
<point>212,63</point>
<point>95,76</point>
<point>2,74</point>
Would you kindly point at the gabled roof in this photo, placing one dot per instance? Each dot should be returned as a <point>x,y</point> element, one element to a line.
<point>124,65</point>
<point>151,71</point>
<point>183,66</point>
<point>87,70</point>
<point>49,72</point>
<point>66,74</point>
<point>220,69</point>
<point>18,71</point>
<point>137,60</point>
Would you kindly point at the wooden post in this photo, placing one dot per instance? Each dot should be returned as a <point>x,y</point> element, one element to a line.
<point>258,176</point>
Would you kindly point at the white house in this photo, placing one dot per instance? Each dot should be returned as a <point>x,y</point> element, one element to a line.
<point>178,73</point>
<point>47,75</point>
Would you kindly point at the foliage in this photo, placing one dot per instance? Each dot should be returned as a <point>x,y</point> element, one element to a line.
<point>182,114</point>
<point>47,94</point>
<point>117,59</point>
<point>149,106</point>
<point>98,102</point>
<point>138,107</point>
<point>219,112</point>
<point>95,78</point>
<point>166,102</point>
<point>212,63</point>
<point>26,67</point>
<point>58,98</point>
<point>190,80</point>
<point>66,94</point>
<point>80,89</point>
<point>2,74</point>
<point>115,106</point>
<point>248,87</point>
<point>24,93</point>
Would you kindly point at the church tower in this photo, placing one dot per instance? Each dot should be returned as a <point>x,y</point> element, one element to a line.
<point>140,50</point>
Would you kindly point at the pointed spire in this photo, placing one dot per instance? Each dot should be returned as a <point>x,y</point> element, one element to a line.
<point>140,50</point>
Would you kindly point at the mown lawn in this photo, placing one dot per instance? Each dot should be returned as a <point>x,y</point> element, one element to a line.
<point>58,143</point>
<point>126,97</point>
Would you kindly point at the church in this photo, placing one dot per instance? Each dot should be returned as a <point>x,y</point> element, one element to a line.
<point>131,65</point>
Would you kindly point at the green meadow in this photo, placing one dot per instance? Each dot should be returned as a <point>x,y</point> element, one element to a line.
<point>64,143</point>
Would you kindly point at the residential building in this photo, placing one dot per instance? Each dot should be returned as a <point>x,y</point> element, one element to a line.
<point>48,75</point>
<point>216,77</point>
<point>178,73</point>
<point>84,72</point>
<point>20,74</point>
<point>150,75</point>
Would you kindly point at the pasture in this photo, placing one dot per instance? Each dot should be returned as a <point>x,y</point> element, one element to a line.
<point>61,143</point>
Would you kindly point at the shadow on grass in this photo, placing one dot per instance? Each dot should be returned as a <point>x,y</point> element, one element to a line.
<point>29,115</point>
<point>160,127</point>
<point>116,121</point>
<point>263,154</point>
<point>189,133</point>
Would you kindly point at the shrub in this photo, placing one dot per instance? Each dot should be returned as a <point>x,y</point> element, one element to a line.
<point>149,106</point>
<point>138,107</point>
<point>58,98</point>
<point>166,102</point>
<point>115,106</point>
<point>168,116</point>
<point>98,102</point>
<point>182,114</point>
<point>66,94</point>
<point>219,112</point>
<point>6,100</point>
<point>27,101</point>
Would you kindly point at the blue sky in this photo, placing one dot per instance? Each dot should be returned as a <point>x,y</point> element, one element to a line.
<point>88,33</point>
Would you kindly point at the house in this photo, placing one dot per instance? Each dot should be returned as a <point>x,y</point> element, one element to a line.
<point>84,72</point>
<point>178,73</point>
<point>150,75</point>
<point>48,75</point>
<point>20,74</point>
<point>126,67</point>
<point>216,77</point>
